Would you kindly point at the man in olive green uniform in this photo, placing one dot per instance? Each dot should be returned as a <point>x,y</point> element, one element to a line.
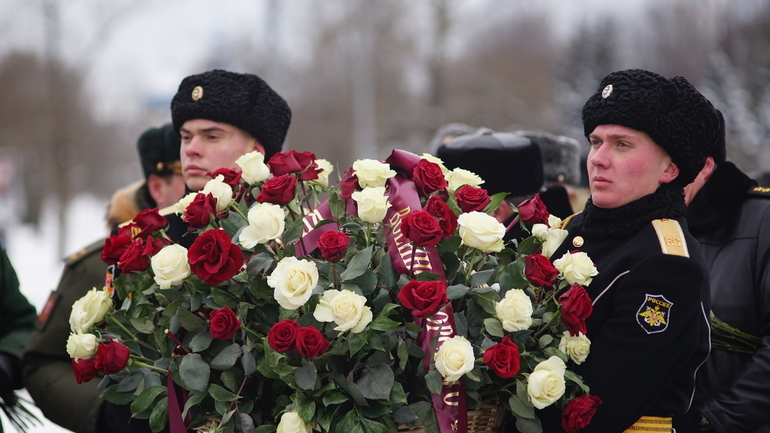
<point>46,365</point>
<point>17,317</point>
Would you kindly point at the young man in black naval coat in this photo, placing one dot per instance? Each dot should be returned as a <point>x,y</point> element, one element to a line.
<point>649,328</point>
<point>730,216</point>
<point>46,365</point>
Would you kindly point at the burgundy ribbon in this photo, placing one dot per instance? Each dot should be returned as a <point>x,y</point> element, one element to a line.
<point>175,422</point>
<point>450,405</point>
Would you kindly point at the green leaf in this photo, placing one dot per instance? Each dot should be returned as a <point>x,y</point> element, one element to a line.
<point>434,381</point>
<point>545,340</point>
<point>521,408</point>
<point>194,372</point>
<point>386,273</point>
<point>306,375</point>
<point>248,362</point>
<point>352,389</point>
<point>218,393</point>
<point>201,341</point>
<point>231,379</point>
<point>358,264</point>
<point>376,382</point>
<point>486,300</point>
<point>260,263</point>
<point>190,321</point>
<point>372,426</point>
<point>356,342</point>
<point>383,324</point>
<point>306,410</point>
<point>494,202</point>
<point>246,423</point>
<point>526,425</point>
<point>482,277</point>
<point>529,246</point>
<point>293,231</point>
<point>336,206</point>
<point>194,398</point>
<point>457,291</point>
<point>334,397</point>
<point>130,383</point>
<point>266,428</point>
<point>226,357</point>
<point>513,277</point>
<point>404,415</point>
<point>224,298</point>
<point>146,398</point>
<point>159,415</point>
<point>494,327</point>
<point>349,423</point>
<point>112,395</point>
<point>142,325</point>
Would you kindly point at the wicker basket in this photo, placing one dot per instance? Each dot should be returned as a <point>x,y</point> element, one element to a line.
<point>487,418</point>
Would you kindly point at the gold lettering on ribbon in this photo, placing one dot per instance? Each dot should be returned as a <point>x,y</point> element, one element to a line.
<point>450,398</point>
<point>310,221</point>
<point>454,425</point>
<point>415,259</point>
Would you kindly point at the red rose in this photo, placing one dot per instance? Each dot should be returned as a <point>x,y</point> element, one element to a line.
<point>421,228</point>
<point>148,221</point>
<point>447,219</point>
<point>136,257</point>
<point>575,306</point>
<point>292,162</point>
<point>470,198</point>
<point>503,358</point>
<point>199,212</point>
<point>224,323</point>
<point>278,190</point>
<point>532,211</point>
<point>333,246</point>
<point>115,245</point>
<point>231,177</point>
<point>423,297</point>
<point>84,369</point>
<point>283,335</point>
<point>311,343</point>
<point>579,412</point>
<point>214,258</point>
<point>539,270</point>
<point>348,184</point>
<point>428,177</point>
<point>111,357</point>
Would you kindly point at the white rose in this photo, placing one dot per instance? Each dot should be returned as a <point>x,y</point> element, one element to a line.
<point>435,160</point>
<point>454,358</point>
<point>253,167</point>
<point>515,310</point>
<point>546,383</point>
<point>266,222</point>
<point>550,238</point>
<point>293,281</point>
<point>345,308</point>
<point>554,221</point>
<point>184,202</point>
<point>323,176</point>
<point>576,268</point>
<point>482,231</point>
<point>220,190</point>
<point>292,423</point>
<point>577,348</point>
<point>459,177</point>
<point>372,204</point>
<point>81,346</point>
<point>90,310</point>
<point>170,266</point>
<point>372,173</point>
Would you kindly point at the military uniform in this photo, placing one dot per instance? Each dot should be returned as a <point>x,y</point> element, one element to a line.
<point>47,367</point>
<point>649,331</point>
<point>730,216</point>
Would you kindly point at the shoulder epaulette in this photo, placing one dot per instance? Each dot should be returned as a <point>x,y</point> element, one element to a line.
<point>83,253</point>
<point>565,222</point>
<point>671,237</point>
<point>163,212</point>
<point>759,191</point>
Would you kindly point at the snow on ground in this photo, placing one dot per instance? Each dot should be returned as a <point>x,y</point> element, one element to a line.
<point>38,265</point>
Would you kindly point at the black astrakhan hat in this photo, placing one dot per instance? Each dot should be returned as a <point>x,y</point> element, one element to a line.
<point>159,151</point>
<point>507,162</point>
<point>561,156</point>
<point>672,112</point>
<point>242,100</point>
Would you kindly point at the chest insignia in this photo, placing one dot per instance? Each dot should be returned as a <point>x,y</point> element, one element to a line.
<point>654,314</point>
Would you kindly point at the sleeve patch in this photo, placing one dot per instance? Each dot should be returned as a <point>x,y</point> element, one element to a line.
<point>45,313</point>
<point>654,314</point>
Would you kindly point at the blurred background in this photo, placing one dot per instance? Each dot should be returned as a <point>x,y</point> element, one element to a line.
<point>81,79</point>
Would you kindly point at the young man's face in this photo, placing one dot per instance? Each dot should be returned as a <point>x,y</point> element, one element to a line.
<point>208,146</point>
<point>625,165</point>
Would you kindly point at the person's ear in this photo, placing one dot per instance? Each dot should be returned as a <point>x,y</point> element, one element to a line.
<point>258,147</point>
<point>670,173</point>
<point>154,186</point>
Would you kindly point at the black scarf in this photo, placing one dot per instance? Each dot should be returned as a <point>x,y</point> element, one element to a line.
<point>666,202</point>
<point>719,198</point>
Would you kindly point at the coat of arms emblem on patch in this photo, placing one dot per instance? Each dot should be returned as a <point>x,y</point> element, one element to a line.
<point>654,314</point>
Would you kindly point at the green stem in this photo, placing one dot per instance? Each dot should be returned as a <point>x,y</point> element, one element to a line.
<point>334,275</point>
<point>120,325</point>
<point>545,327</point>
<point>252,332</point>
<point>151,367</point>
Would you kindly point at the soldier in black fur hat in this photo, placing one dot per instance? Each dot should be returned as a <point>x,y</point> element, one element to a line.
<point>649,328</point>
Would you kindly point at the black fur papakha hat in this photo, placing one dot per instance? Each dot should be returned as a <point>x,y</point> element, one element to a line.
<point>507,162</point>
<point>159,151</point>
<point>242,100</point>
<point>677,117</point>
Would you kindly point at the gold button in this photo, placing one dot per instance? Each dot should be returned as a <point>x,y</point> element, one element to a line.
<point>577,241</point>
<point>197,93</point>
<point>159,166</point>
